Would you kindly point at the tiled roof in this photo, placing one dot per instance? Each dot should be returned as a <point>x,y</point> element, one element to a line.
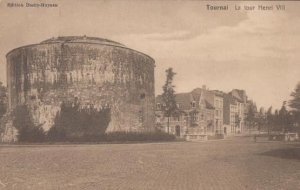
<point>185,99</point>
<point>240,95</point>
<point>208,105</point>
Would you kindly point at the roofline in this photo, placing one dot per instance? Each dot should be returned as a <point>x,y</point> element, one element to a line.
<point>94,43</point>
<point>84,37</point>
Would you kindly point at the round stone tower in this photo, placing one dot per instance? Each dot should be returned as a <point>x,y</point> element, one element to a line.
<point>88,72</point>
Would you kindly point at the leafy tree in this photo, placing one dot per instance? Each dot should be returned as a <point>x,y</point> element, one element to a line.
<point>283,118</point>
<point>168,97</point>
<point>261,119</point>
<point>250,117</point>
<point>269,118</point>
<point>295,102</point>
<point>276,121</point>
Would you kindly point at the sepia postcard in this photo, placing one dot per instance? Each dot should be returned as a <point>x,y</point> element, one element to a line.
<point>149,95</point>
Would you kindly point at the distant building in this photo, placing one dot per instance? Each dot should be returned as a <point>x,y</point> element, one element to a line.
<point>204,112</point>
<point>235,110</point>
<point>200,114</point>
<point>195,118</point>
<point>219,111</point>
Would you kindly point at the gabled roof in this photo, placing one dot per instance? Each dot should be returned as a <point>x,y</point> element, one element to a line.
<point>218,93</point>
<point>208,105</point>
<point>185,99</point>
<point>229,99</point>
<point>240,95</point>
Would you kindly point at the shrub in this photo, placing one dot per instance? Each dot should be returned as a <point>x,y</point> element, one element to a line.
<point>75,122</point>
<point>116,137</point>
<point>216,136</point>
<point>56,134</point>
<point>28,132</point>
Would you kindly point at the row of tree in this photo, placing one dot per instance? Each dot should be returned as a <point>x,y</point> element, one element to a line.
<point>283,120</point>
<point>286,119</point>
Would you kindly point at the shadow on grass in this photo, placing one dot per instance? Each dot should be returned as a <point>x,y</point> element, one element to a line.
<point>284,153</point>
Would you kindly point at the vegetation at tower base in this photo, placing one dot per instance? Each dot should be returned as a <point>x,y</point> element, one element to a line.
<point>87,125</point>
<point>117,137</point>
<point>73,122</point>
<point>27,131</point>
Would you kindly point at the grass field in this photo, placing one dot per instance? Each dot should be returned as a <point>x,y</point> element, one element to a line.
<point>235,163</point>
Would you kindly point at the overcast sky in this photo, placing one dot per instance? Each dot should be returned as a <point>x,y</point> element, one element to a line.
<point>256,50</point>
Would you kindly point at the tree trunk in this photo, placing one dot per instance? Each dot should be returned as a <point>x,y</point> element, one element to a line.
<point>168,125</point>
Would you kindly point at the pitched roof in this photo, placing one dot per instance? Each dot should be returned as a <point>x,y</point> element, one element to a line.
<point>208,105</point>
<point>240,95</point>
<point>185,99</point>
<point>229,99</point>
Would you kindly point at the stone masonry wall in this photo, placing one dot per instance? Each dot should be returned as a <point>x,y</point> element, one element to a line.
<point>45,75</point>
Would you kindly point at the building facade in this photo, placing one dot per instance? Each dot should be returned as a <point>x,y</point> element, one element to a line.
<point>219,111</point>
<point>200,114</point>
<point>194,119</point>
<point>235,111</point>
<point>205,112</point>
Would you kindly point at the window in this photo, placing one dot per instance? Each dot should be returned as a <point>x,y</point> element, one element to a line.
<point>141,117</point>
<point>158,106</point>
<point>202,117</point>
<point>142,96</point>
<point>194,117</point>
<point>178,105</point>
<point>193,104</point>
